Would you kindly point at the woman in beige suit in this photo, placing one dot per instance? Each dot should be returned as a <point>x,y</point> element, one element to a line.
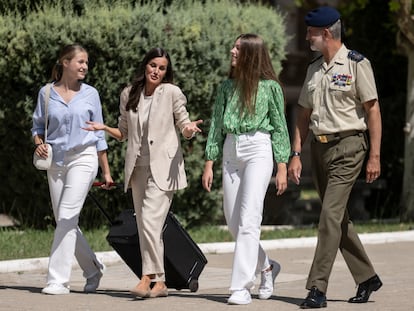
<point>151,111</point>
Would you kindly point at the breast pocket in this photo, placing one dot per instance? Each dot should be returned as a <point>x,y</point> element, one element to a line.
<point>340,88</point>
<point>341,85</point>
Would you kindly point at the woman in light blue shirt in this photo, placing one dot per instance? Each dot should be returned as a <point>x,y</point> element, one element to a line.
<point>77,154</point>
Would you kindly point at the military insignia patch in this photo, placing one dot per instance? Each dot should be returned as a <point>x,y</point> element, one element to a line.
<point>355,56</point>
<point>341,79</point>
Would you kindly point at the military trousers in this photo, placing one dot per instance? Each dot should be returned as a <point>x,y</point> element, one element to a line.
<point>335,168</point>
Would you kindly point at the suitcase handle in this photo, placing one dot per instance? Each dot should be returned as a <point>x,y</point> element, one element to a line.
<point>112,184</point>
<point>95,200</point>
<point>99,184</point>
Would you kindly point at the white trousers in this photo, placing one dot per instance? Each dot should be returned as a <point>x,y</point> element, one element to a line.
<point>68,186</point>
<point>151,206</point>
<point>247,169</point>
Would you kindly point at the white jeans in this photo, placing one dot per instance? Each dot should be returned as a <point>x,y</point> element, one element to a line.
<point>247,169</point>
<point>68,186</point>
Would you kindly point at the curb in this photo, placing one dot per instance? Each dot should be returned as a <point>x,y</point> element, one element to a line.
<point>111,257</point>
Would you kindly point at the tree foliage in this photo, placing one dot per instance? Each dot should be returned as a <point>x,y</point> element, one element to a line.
<point>405,41</point>
<point>377,41</point>
<point>198,35</point>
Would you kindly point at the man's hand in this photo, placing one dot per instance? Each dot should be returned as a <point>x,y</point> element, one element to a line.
<point>295,169</point>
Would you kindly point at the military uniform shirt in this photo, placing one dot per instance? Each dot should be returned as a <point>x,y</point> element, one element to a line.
<point>336,92</point>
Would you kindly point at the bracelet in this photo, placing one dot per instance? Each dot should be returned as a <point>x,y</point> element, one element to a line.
<point>188,138</point>
<point>295,154</point>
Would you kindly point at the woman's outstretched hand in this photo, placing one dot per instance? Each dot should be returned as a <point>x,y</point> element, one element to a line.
<point>94,126</point>
<point>191,129</point>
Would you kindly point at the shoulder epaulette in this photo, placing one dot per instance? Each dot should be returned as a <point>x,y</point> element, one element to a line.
<point>315,59</point>
<point>355,56</point>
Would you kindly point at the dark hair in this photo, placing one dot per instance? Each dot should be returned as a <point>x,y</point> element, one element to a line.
<point>138,83</point>
<point>66,53</point>
<point>253,64</point>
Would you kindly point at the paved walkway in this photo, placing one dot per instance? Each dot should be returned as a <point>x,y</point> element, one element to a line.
<point>391,253</point>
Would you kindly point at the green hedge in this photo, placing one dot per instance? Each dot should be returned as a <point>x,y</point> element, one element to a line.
<point>198,35</point>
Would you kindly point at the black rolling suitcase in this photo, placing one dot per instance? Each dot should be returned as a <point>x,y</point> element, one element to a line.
<point>183,262</point>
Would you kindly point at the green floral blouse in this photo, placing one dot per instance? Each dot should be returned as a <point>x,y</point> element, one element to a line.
<point>269,117</point>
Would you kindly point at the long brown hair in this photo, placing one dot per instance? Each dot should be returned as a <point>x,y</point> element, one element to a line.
<point>253,64</point>
<point>138,82</point>
<point>67,53</point>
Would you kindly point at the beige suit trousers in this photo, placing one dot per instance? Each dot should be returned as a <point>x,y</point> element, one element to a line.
<point>151,207</point>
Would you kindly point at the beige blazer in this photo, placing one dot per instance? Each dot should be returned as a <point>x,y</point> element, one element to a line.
<point>167,116</point>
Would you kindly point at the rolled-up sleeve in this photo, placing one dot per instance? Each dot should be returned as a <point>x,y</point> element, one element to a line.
<point>38,119</point>
<point>97,117</point>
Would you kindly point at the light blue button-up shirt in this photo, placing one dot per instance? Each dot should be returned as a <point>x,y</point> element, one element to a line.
<point>64,131</point>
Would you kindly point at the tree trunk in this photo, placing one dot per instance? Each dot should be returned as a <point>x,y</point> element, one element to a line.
<point>406,42</point>
<point>407,208</point>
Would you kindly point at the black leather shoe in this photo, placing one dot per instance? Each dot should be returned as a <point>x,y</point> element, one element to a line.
<point>315,299</point>
<point>365,289</point>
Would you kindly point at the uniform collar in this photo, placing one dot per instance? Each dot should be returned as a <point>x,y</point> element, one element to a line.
<point>341,55</point>
<point>338,59</point>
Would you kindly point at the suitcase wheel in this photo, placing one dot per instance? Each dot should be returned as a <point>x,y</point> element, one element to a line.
<point>193,285</point>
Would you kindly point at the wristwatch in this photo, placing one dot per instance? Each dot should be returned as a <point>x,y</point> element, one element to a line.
<point>295,154</point>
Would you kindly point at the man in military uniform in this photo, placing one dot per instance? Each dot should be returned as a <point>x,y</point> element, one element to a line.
<point>338,103</point>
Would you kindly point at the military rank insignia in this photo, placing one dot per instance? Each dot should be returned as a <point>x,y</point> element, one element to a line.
<point>341,79</point>
<point>355,56</point>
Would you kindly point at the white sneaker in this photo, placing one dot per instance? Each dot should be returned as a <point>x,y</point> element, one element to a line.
<point>240,297</point>
<point>268,280</point>
<point>55,289</point>
<point>92,283</point>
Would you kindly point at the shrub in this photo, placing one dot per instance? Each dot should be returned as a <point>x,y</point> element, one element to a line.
<point>198,35</point>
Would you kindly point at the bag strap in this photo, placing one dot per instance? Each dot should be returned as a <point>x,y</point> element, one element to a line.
<point>47,95</point>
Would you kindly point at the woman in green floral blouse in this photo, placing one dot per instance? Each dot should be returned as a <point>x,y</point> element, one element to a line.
<point>248,130</point>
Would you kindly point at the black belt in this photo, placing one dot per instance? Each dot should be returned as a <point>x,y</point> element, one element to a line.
<point>327,138</point>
